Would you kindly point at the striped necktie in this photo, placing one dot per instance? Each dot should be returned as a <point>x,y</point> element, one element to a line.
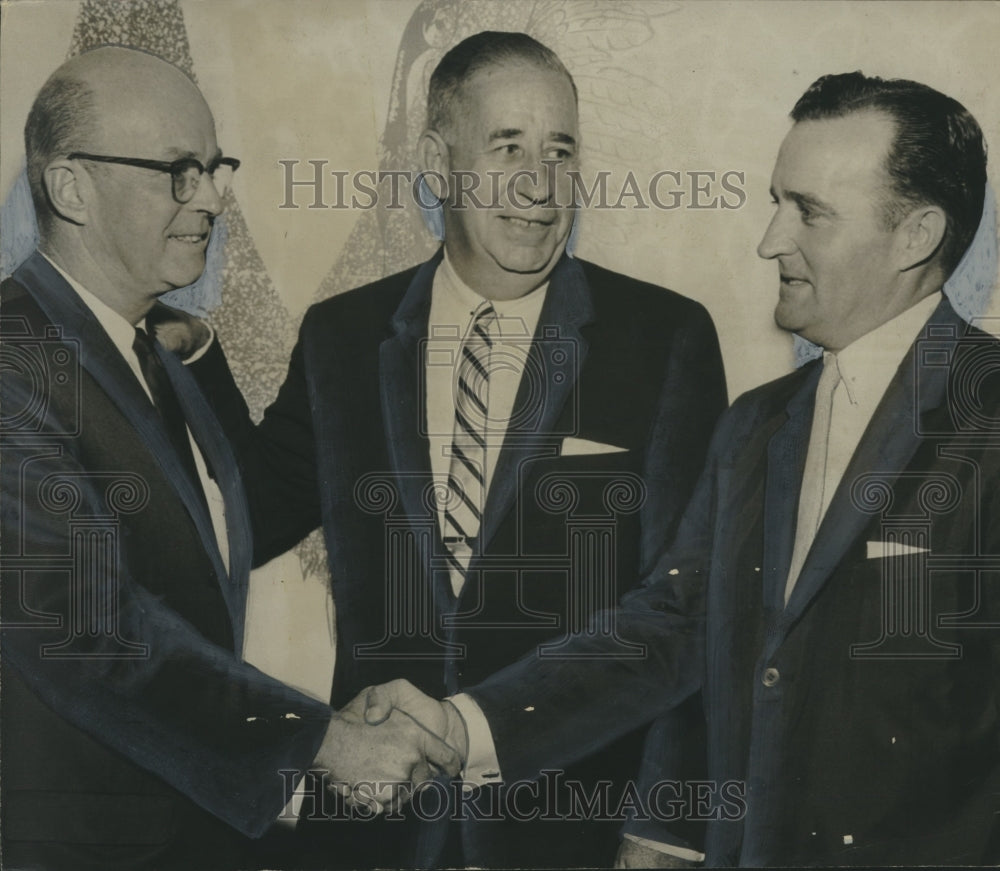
<point>466,494</point>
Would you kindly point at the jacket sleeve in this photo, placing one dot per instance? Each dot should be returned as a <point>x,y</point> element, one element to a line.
<point>674,762</point>
<point>277,457</point>
<point>552,712</point>
<point>691,400</point>
<point>138,678</point>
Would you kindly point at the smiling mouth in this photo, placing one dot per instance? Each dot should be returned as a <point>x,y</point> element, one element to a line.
<point>792,281</point>
<point>191,238</point>
<point>526,223</point>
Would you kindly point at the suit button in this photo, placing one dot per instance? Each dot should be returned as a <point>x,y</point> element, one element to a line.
<point>770,677</point>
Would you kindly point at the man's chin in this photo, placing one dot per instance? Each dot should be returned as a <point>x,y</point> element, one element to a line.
<point>186,277</point>
<point>530,262</point>
<point>796,327</point>
<point>788,320</point>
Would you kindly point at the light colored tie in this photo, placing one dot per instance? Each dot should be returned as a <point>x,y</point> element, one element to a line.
<point>466,493</point>
<point>812,495</point>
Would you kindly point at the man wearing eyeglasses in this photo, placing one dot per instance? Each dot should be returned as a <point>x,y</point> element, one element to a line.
<point>134,735</point>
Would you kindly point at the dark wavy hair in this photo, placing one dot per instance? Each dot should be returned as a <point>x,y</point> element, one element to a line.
<point>937,156</point>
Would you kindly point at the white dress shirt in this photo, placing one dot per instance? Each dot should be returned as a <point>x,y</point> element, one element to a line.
<point>866,367</point>
<point>453,304</point>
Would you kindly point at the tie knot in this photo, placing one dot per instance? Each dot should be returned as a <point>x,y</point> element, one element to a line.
<point>485,314</point>
<point>485,311</point>
<point>831,376</point>
<point>483,319</point>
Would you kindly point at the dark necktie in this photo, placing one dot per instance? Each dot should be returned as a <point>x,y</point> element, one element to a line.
<point>167,405</point>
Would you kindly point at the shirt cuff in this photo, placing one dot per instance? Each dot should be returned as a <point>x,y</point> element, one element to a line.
<point>289,816</point>
<point>669,849</point>
<point>481,763</point>
<point>197,355</point>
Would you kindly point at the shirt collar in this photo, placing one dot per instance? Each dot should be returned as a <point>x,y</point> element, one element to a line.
<point>868,364</point>
<point>119,330</point>
<point>512,314</point>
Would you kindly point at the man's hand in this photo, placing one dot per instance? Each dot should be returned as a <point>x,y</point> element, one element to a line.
<point>177,331</point>
<point>388,741</point>
<point>403,697</point>
<point>635,855</point>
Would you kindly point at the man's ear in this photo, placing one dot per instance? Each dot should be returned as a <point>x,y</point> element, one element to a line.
<point>920,235</point>
<point>432,152</point>
<point>65,189</point>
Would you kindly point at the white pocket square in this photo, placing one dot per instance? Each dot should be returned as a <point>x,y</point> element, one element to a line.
<point>889,549</point>
<point>572,447</point>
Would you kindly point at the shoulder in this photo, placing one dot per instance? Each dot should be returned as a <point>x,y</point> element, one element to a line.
<point>14,297</point>
<point>40,369</point>
<point>973,374</point>
<point>778,391</point>
<point>768,399</point>
<point>971,336</point>
<point>21,313</point>
<point>372,303</point>
<point>642,301</point>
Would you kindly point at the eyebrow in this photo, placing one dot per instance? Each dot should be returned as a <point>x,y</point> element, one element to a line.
<point>514,132</point>
<point>506,133</point>
<point>807,201</point>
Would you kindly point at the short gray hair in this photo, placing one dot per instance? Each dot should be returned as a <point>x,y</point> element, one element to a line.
<point>61,118</point>
<point>485,49</point>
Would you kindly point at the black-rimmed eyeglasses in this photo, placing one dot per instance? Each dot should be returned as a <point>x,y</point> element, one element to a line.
<point>185,174</point>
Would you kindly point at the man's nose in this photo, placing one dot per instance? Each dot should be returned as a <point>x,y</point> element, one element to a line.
<point>534,182</point>
<point>207,197</point>
<point>777,239</point>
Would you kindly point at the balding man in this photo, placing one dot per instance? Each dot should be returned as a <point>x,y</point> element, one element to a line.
<point>134,735</point>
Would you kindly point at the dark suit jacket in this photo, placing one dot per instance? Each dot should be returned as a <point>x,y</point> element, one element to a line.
<point>860,722</point>
<point>614,361</point>
<point>127,709</point>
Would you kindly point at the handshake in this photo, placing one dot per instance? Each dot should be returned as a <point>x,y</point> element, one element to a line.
<point>388,741</point>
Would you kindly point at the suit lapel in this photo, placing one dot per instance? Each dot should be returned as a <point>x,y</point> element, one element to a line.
<point>101,359</point>
<point>401,370</point>
<point>786,457</point>
<point>215,448</point>
<point>887,446</point>
<point>567,308</point>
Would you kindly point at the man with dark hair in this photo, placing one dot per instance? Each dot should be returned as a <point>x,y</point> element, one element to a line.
<point>459,432</point>
<point>134,734</point>
<point>937,154</point>
<point>832,589</point>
